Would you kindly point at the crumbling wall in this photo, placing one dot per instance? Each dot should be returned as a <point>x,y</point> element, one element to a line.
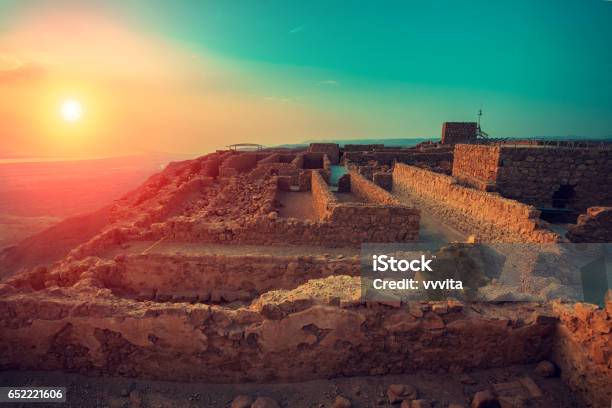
<point>361,147</point>
<point>298,161</point>
<point>322,198</point>
<point>369,191</point>
<point>476,165</point>
<point>384,220</point>
<point>217,278</point>
<point>413,156</point>
<point>284,336</point>
<point>594,226</point>
<point>286,158</point>
<point>271,158</point>
<point>583,350</point>
<point>383,179</point>
<point>376,223</point>
<point>238,163</point>
<point>276,168</point>
<point>313,160</point>
<point>466,207</point>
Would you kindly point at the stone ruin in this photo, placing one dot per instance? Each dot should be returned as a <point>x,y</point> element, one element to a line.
<point>544,176</point>
<point>459,132</point>
<point>244,267</point>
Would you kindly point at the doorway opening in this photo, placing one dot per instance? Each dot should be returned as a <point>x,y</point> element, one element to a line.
<point>562,197</point>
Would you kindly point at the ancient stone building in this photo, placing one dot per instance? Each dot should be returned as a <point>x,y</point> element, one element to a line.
<point>458,132</point>
<point>332,150</point>
<point>543,176</point>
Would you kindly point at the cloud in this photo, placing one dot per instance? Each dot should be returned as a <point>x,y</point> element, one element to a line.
<point>296,30</point>
<point>329,82</point>
<point>12,69</point>
<point>295,100</point>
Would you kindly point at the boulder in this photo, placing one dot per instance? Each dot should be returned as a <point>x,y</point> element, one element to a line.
<point>545,369</point>
<point>401,392</point>
<point>242,401</point>
<point>485,399</point>
<point>341,402</point>
<point>265,402</point>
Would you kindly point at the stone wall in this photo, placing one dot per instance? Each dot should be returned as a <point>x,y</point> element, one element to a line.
<point>432,159</point>
<point>458,132</point>
<point>383,179</point>
<point>338,225</point>
<point>369,191</point>
<point>322,198</point>
<point>583,350</point>
<point>383,219</point>
<point>467,208</point>
<point>332,150</point>
<point>313,160</point>
<point>594,226</point>
<point>298,161</point>
<point>476,165</point>
<point>294,336</point>
<point>271,158</point>
<point>536,174</point>
<point>361,147</point>
<point>276,168</point>
<point>217,278</point>
<point>238,163</point>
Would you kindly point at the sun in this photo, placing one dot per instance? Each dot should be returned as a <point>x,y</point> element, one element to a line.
<point>71,110</point>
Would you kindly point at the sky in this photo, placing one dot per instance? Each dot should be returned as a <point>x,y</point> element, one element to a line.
<point>189,77</point>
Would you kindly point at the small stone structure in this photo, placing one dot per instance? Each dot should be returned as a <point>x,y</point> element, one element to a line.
<point>238,163</point>
<point>459,132</point>
<point>331,150</point>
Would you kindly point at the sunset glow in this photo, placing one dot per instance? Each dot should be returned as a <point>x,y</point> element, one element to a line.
<point>214,77</point>
<point>71,110</point>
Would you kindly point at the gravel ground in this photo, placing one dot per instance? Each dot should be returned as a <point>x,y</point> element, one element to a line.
<point>439,388</point>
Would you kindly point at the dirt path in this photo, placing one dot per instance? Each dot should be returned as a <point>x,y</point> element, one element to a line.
<point>431,228</point>
<point>296,205</point>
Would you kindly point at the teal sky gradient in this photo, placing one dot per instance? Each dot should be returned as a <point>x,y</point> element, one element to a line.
<point>401,68</point>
